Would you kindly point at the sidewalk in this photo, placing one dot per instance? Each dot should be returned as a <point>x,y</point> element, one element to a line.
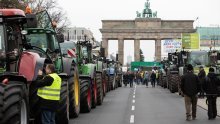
<point>202,103</point>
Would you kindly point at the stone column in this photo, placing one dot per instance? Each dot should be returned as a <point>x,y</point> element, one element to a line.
<point>121,51</point>
<point>136,50</point>
<point>105,45</point>
<point>158,50</point>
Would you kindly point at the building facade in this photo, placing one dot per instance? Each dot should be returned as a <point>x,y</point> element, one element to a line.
<point>209,36</point>
<point>78,34</point>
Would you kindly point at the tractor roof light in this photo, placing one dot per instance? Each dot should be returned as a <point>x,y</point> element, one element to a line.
<point>11,12</point>
<point>28,10</point>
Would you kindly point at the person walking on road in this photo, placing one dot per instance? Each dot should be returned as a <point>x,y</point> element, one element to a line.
<point>131,79</point>
<point>153,78</point>
<point>146,78</point>
<point>210,88</point>
<point>49,92</point>
<point>190,87</point>
<point>201,76</point>
<point>125,79</point>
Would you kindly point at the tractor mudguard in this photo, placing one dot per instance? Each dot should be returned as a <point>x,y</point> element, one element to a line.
<point>29,65</point>
<point>89,70</point>
<point>99,67</point>
<point>12,77</point>
<point>63,76</point>
<point>67,62</point>
<point>84,77</point>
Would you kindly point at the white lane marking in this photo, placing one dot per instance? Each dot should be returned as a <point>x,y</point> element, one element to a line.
<point>133,101</point>
<point>134,93</point>
<point>133,96</point>
<point>132,108</point>
<point>132,119</point>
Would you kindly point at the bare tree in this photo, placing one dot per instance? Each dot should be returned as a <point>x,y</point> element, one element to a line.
<point>56,13</point>
<point>11,4</point>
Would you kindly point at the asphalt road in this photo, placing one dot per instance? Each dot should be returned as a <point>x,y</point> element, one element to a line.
<point>141,105</point>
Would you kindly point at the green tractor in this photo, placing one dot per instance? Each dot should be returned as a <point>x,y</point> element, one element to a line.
<point>43,40</point>
<point>90,87</point>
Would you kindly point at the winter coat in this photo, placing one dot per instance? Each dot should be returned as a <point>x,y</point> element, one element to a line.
<point>211,83</point>
<point>190,84</point>
<point>153,76</point>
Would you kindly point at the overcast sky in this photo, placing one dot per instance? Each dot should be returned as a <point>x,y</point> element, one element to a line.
<point>89,13</point>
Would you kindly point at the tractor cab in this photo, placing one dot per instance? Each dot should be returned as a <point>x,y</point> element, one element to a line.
<point>11,25</point>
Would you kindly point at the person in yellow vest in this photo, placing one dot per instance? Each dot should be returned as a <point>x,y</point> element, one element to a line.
<point>157,77</point>
<point>49,93</point>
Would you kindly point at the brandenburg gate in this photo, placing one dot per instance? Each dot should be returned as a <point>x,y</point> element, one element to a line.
<point>147,27</point>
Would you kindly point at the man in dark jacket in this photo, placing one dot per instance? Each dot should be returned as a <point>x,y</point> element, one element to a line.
<point>210,88</point>
<point>153,78</point>
<point>49,94</point>
<point>201,76</point>
<point>190,87</point>
<point>131,78</point>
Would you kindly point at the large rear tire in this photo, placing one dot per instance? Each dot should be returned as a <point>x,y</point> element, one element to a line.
<point>111,82</point>
<point>174,79</point>
<point>99,88</point>
<point>74,93</point>
<point>35,110</point>
<point>94,93</point>
<point>85,95</point>
<point>14,103</point>
<point>62,114</point>
<point>104,83</point>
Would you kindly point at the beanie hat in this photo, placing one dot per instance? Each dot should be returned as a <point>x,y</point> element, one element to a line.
<point>189,67</point>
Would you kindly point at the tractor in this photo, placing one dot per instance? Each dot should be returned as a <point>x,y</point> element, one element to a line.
<point>90,87</point>
<point>173,72</point>
<point>74,50</point>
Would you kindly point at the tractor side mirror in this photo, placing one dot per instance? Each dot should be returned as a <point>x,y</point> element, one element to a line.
<point>57,51</point>
<point>60,38</point>
<point>31,21</point>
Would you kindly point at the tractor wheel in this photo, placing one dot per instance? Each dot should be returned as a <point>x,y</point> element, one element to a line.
<point>120,81</point>
<point>14,103</point>
<point>74,93</point>
<point>111,82</point>
<point>1,101</point>
<point>35,111</point>
<point>99,88</point>
<point>104,83</point>
<point>174,83</point>
<point>108,85</point>
<point>94,93</point>
<point>85,95</point>
<point>62,114</point>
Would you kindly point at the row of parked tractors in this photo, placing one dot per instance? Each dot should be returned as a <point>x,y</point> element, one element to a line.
<point>28,42</point>
<point>175,66</point>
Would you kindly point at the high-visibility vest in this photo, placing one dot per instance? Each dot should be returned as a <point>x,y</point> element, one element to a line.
<point>157,74</point>
<point>51,92</point>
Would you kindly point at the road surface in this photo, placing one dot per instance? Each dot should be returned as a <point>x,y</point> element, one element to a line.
<point>141,105</point>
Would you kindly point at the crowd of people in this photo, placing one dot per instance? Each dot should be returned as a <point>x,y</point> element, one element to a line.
<point>202,84</point>
<point>193,86</point>
<point>141,77</point>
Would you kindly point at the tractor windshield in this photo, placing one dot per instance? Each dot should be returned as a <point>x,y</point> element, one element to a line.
<point>2,49</point>
<point>198,58</point>
<point>42,39</point>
